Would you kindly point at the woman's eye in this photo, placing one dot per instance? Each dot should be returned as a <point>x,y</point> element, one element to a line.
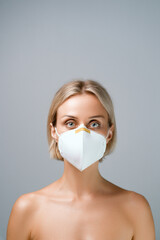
<point>95,124</point>
<point>70,124</point>
<point>92,124</point>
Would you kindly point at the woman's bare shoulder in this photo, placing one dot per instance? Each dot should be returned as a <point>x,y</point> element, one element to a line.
<point>26,201</point>
<point>136,200</point>
<point>139,212</point>
<point>24,207</point>
<point>20,220</point>
<point>132,200</point>
<point>129,197</point>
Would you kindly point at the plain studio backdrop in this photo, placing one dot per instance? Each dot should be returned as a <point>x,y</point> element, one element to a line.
<point>44,44</point>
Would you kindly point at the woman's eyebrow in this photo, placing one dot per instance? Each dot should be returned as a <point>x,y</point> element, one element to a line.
<point>69,116</point>
<point>96,116</point>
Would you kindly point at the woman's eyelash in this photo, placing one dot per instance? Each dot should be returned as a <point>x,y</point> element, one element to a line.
<point>67,122</point>
<point>71,120</point>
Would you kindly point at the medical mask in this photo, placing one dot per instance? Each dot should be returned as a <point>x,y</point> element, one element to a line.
<point>81,146</point>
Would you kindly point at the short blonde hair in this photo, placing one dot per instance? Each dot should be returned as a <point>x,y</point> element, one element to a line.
<point>79,87</point>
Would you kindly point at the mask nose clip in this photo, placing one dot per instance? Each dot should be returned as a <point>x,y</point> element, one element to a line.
<point>82,127</point>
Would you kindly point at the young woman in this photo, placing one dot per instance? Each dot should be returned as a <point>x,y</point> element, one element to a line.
<point>81,205</point>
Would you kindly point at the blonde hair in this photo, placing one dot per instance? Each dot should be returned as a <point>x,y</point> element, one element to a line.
<point>79,87</point>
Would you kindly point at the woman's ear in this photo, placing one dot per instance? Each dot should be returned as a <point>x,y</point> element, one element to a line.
<point>53,133</point>
<point>111,129</point>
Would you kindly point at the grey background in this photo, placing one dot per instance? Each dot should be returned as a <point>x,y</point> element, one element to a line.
<point>44,44</point>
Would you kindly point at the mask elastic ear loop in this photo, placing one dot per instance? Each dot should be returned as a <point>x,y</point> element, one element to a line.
<point>57,132</point>
<point>108,132</point>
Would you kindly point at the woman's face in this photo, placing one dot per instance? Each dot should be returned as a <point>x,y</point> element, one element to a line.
<point>82,109</point>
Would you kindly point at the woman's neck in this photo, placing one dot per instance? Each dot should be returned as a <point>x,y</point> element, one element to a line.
<point>80,185</point>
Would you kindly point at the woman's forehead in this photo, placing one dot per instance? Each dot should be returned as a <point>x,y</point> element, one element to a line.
<point>87,104</point>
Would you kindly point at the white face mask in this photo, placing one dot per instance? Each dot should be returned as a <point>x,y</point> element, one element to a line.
<point>81,146</point>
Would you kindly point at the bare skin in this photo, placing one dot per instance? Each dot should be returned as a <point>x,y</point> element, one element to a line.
<point>81,205</point>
